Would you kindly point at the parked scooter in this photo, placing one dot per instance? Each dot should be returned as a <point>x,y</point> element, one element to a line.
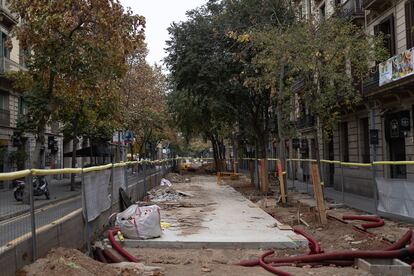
<point>40,187</point>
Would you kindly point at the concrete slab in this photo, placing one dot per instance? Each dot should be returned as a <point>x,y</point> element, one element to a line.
<point>231,222</point>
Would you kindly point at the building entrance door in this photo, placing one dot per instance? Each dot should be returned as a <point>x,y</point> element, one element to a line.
<point>397,153</point>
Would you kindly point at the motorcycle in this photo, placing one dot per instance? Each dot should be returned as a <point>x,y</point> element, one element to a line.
<point>40,187</point>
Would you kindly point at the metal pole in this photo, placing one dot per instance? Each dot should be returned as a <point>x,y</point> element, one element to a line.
<point>342,167</point>
<point>112,187</point>
<point>342,184</point>
<point>126,178</point>
<point>293,174</point>
<point>85,212</point>
<point>307,176</point>
<point>145,178</point>
<point>256,174</point>
<point>374,171</point>
<point>32,216</point>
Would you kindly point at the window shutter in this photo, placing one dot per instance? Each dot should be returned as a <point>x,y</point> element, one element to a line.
<point>409,23</point>
<point>392,33</point>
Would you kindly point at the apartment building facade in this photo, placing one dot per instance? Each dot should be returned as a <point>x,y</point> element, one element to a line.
<point>16,150</point>
<point>381,128</point>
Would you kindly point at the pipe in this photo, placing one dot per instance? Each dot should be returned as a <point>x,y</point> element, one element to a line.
<point>314,246</point>
<point>360,230</point>
<point>98,253</point>
<point>342,255</point>
<point>269,267</point>
<point>111,257</point>
<point>117,247</point>
<point>377,222</point>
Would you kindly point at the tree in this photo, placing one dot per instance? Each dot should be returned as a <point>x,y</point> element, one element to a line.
<point>199,76</point>
<point>75,51</point>
<point>333,62</point>
<point>144,103</point>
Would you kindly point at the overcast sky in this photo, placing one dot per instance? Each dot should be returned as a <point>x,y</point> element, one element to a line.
<point>160,14</point>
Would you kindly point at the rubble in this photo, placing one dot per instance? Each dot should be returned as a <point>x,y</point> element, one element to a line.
<point>175,178</point>
<point>162,194</point>
<point>63,261</point>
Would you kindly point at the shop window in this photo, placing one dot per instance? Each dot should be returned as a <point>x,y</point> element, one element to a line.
<point>344,142</point>
<point>364,140</point>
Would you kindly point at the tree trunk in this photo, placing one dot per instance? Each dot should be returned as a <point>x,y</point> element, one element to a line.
<point>37,161</point>
<point>74,149</point>
<point>215,153</point>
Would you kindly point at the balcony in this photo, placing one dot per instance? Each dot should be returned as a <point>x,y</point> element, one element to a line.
<point>376,5</point>
<point>6,17</point>
<point>371,83</point>
<point>307,121</point>
<point>8,65</point>
<point>4,117</point>
<point>352,10</point>
<point>396,74</point>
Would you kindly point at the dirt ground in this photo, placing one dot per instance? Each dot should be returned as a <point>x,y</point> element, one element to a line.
<point>188,262</point>
<point>185,262</point>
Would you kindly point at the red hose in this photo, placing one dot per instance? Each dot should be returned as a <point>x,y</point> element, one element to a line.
<point>110,257</point>
<point>117,247</point>
<point>342,255</point>
<point>270,268</point>
<point>377,222</point>
<point>98,252</point>
<point>314,246</point>
<point>401,242</point>
<point>360,230</point>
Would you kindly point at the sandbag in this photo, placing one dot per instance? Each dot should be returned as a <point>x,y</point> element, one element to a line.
<point>140,222</point>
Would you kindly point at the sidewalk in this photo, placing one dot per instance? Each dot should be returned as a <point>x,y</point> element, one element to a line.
<point>362,203</point>
<point>217,216</point>
<point>59,190</point>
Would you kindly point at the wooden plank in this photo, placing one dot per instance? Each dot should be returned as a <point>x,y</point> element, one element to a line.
<point>265,176</point>
<point>317,188</point>
<point>281,182</point>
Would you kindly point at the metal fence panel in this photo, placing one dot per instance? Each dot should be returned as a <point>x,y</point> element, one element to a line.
<point>97,193</point>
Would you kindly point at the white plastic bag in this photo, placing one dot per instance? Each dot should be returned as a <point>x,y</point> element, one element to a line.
<point>165,182</point>
<point>140,222</point>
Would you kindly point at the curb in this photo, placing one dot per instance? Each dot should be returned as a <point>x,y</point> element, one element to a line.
<point>41,205</point>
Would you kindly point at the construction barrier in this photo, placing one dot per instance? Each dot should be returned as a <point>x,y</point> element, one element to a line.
<point>30,228</point>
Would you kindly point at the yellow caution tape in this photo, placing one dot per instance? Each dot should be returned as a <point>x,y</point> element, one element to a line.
<point>393,163</point>
<point>331,162</point>
<point>350,164</point>
<point>14,175</point>
<point>56,171</point>
<point>120,165</point>
<point>97,168</point>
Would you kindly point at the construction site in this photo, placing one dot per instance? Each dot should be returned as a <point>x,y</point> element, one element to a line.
<point>192,221</point>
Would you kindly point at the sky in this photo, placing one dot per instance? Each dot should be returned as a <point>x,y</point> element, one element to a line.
<point>159,15</point>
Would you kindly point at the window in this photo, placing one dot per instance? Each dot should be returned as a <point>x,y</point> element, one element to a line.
<point>386,28</point>
<point>364,140</point>
<point>409,23</point>
<point>337,3</point>
<point>344,142</point>
<point>322,11</point>
<point>4,101</point>
<point>22,106</point>
<point>5,52</point>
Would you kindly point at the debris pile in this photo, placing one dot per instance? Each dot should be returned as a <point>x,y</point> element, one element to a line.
<point>175,178</point>
<point>163,194</point>
<point>63,261</point>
